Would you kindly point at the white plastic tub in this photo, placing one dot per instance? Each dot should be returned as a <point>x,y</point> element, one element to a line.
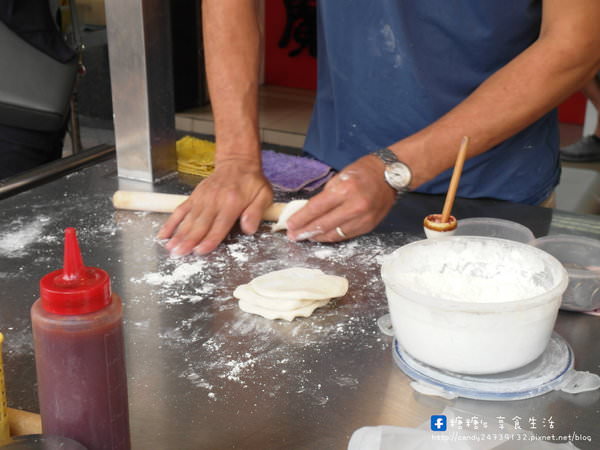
<point>473,305</point>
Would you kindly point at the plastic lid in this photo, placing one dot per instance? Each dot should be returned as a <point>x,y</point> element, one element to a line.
<point>75,289</point>
<point>540,376</point>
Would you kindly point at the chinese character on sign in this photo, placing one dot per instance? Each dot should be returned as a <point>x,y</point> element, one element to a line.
<point>549,422</point>
<point>517,422</point>
<point>501,422</point>
<point>301,26</point>
<point>475,422</point>
<point>459,422</point>
<point>532,422</point>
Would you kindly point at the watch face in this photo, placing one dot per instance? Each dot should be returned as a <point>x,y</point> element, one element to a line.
<point>398,176</point>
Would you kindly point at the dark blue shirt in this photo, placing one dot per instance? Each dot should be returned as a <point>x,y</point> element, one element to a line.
<point>388,68</point>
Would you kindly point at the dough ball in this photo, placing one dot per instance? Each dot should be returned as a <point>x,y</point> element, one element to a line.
<point>249,296</point>
<point>300,283</point>
<point>304,311</point>
<point>287,212</point>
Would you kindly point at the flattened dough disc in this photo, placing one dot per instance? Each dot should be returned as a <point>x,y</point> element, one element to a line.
<point>249,296</point>
<point>300,282</point>
<point>304,311</point>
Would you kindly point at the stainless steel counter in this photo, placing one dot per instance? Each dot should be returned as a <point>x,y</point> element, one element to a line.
<point>205,375</point>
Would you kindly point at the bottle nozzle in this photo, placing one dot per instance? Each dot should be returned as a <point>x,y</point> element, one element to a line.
<point>75,289</point>
<point>73,262</point>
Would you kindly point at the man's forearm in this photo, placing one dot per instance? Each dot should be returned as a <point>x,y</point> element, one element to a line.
<point>532,84</point>
<point>231,45</point>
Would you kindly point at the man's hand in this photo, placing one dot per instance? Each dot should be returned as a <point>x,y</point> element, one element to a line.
<point>237,189</point>
<point>352,203</point>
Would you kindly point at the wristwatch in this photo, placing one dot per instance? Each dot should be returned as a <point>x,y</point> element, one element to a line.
<point>397,174</point>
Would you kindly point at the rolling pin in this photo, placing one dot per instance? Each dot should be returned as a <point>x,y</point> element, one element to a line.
<point>23,422</point>
<point>166,203</point>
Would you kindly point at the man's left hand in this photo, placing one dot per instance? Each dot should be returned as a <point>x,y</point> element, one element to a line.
<point>352,203</point>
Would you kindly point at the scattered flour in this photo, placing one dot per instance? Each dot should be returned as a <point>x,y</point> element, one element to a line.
<point>182,274</point>
<point>237,252</point>
<point>325,253</point>
<point>17,340</point>
<point>15,243</point>
<point>225,347</point>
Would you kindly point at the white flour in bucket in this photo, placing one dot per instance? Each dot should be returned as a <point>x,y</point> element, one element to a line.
<point>504,287</point>
<point>475,273</point>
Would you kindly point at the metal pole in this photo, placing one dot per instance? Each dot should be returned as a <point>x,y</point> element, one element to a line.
<point>53,169</point>
<point>139,46</point>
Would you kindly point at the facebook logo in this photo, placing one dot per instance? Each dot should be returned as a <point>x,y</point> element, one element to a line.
<point>438,423</point>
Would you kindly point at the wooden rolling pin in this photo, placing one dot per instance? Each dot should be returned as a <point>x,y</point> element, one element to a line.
<point>166,203</point>
<point>23,422</point>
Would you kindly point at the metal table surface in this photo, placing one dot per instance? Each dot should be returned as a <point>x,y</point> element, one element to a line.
<point>205,375</point>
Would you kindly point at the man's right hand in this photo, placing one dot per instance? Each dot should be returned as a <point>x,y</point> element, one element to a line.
<point>237,189</point>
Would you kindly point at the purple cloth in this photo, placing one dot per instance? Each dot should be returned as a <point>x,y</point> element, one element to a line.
<point>318,183</point>
<point>291,173</point>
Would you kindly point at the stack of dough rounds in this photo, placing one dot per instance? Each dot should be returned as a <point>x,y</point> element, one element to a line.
<point>289,293</point>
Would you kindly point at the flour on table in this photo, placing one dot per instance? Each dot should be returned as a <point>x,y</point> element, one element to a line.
<point>181,273</point>
<point>14,243</point>
<point>222,345</point>
<point>285,351</point>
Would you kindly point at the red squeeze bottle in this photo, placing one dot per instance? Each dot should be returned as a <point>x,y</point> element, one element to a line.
<point>79,355</point>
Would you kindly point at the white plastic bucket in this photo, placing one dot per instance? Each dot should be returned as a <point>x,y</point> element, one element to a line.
<point>473,305</point>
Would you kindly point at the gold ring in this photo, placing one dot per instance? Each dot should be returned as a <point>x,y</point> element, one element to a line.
<point>341,234</point>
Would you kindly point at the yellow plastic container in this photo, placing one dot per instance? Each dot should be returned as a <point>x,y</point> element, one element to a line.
<point>4,430</point>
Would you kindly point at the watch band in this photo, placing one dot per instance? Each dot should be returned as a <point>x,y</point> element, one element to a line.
<point>386,155</point>
<point>392,165</point>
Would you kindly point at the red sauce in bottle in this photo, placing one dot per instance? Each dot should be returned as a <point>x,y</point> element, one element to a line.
<point>79,353</point>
